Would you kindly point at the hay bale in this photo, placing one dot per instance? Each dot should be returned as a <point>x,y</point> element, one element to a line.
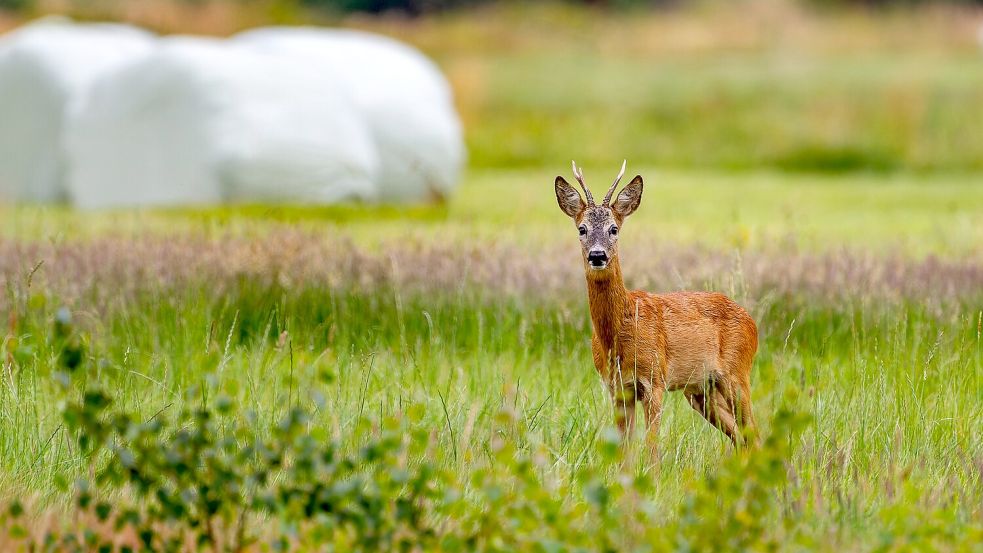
<point>199,122</point>
<point>46,70</point>
<point>403,97</point>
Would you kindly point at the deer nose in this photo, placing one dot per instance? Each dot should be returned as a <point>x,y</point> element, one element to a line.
<point>597,257</point>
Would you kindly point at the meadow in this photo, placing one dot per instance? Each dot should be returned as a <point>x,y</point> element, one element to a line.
<point>419,378</point>
<point>478,308</point>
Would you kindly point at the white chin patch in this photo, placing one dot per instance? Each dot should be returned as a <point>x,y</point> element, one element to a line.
<point>598,267</point>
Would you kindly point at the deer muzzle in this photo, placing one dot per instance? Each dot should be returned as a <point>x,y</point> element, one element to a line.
<point>597,258</point>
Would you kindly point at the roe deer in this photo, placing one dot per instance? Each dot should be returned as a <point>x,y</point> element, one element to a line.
<point>645,344</point>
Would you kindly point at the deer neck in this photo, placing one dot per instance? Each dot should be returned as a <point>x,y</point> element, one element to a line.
<point>608,300</point>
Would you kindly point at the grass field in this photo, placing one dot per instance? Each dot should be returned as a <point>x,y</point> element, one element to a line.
<point>910,215</point>
<point>461,311</point>
<point>823,169</point>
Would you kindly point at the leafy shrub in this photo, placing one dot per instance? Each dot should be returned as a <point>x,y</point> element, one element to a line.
<point>208,475</point>
<point>212,478</point>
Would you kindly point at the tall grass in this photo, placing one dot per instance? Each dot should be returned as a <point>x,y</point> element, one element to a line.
<point>891,386</point>
<point>464,318</point>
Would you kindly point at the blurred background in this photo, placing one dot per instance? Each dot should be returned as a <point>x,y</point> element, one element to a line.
<point>804,86</point>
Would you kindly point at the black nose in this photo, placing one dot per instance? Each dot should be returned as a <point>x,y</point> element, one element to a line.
<point>597,257</point>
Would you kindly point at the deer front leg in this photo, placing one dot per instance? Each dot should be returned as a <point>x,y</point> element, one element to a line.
<point>652,402</point>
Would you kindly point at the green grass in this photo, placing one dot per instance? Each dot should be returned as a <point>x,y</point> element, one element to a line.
<point>742,111</point>
<point>911,215</point>
<point>893,387</point>
<point>889,390</point>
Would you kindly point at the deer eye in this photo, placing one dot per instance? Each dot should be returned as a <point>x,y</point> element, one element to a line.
<point>583,230</point>
<point>614,231</point>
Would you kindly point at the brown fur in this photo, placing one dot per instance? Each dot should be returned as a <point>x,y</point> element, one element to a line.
<point>644,344</point>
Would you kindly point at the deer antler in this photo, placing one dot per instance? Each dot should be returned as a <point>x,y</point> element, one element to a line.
<point>607,198</point>
<point>579,174</point>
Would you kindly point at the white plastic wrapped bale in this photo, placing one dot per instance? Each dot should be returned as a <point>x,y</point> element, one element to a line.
<point>403,96</point>
<point>46,68</point>
<point>200,122</point>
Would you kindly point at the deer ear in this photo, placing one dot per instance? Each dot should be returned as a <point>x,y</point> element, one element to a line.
<point>569,199</point>
<point>629,198</point>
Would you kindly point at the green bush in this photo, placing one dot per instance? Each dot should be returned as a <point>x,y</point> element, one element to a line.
<point>208,475</point>
<point>209,478</point>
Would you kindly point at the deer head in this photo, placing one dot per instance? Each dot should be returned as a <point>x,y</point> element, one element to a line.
<point>598,225</point>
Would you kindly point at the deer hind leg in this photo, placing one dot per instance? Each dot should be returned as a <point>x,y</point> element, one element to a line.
<point>732,403</point>
<point>698,401</point>
<point>713,404</point>
<point>745,414</point>
<point>624,399</point>
<point>724,410</point>
<point>704,404</point>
